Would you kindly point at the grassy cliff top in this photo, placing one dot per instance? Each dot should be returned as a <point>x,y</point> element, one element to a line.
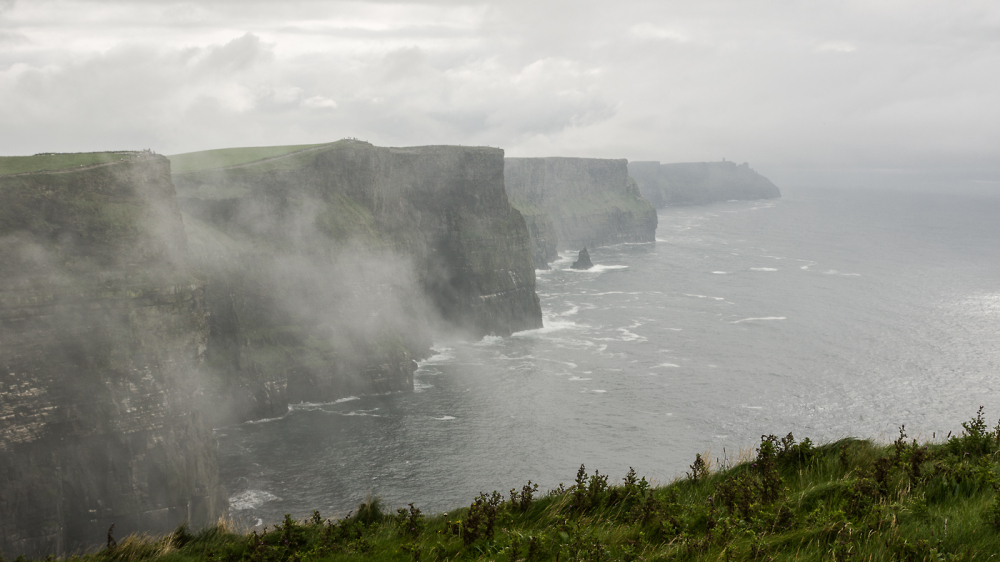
<point>48,162</point>
<point>788,500</point>
<point>226,157</point>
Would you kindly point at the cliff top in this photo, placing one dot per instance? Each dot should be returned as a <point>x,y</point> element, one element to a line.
<point>52,161</point>
<point>228,157</point>
<point>231,157</point>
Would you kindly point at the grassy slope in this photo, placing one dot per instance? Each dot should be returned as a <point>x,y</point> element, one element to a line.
<point>52,162</point>
<point>845,500</point>
<point>225,157</point>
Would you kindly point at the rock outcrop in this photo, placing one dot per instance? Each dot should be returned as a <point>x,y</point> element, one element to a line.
<point>699,182</point>
<point>103,329</point>
<point>572,202</point>
<point>583,260</point>
<point>329,264</point>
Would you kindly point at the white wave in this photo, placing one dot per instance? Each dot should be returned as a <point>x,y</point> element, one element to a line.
<point>804,267</point>
<point>630,336</point>
<point>573,310</point>
<point>488,340</point>
<point>763,269</point>
<point>348,399</point>
<point>598,391</point>
<point>598,269</point>
<point>607,293</point>
<point>420,386</point>
<point>668,365</point>
<point>441,355</point>
<point>266,420</point>
<point>445,418</point>
<point>719,273</point>
<point>835,272</point>
<point>761,318</point>
<point>251,499</point>
<point>704,297</point>
<point>574,378</point>
<point>549,326</point>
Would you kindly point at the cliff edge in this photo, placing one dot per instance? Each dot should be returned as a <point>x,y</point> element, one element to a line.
<point>569,203</point>
<point>698,183</point>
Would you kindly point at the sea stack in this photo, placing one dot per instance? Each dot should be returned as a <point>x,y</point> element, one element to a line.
<point>583,260</point>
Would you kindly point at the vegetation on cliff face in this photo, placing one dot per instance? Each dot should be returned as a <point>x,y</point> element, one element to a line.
<point>787,500</point>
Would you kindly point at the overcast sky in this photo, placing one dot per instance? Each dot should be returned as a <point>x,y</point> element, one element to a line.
<point>797,88</point>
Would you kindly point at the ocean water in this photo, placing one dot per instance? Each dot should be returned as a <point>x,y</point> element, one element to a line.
<point>827,313</point>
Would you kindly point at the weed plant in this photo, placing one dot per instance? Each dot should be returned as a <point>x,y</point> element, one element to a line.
<point>847,500</point>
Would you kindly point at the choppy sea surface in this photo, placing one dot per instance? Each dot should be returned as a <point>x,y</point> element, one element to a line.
<point>827,313</point>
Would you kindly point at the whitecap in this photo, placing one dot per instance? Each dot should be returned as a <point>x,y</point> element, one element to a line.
<point>574,378</point>
<point>763,269</point>
<point>598,269</point>
<point>719,273</point>
<point>251,499</point>
<point>266,420</point>
<point>488,340</point>
<point>598,391</point>
<point>761,318</point>
<point>445,418</point>
<point>704,296</point>
<point>668,365</point>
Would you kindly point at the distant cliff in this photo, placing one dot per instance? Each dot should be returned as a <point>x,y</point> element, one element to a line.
<point>569,203</point>
<point>102,334</point>
<point>699,182</point>
<point>329,264</point>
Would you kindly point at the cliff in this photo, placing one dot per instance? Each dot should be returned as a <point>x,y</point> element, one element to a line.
<point>330,264</point>
<point>569,203</point>
<point>102,333</point>
<point>699,182</point>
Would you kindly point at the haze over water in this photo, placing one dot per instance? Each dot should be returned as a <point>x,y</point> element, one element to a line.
<point>826,313</point>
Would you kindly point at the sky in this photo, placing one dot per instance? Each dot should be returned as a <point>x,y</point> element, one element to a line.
<point>807,92</point>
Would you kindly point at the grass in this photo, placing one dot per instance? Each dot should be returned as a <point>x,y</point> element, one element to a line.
<point>847,500</point>
<point>226,157</point>
<point>49,162</point>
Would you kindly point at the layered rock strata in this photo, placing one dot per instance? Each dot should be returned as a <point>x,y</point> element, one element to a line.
<point>102,334</point>
<point>329,265</point>
<point>699,182</point>
<point>569,203</point>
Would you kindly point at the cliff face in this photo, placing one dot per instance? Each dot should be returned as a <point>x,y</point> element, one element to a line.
<point>102,332</point>
<point>330,264</point>
<point>570,203</point>
<point>699,182</point>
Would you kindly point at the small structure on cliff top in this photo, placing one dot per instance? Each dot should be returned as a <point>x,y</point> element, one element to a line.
<point>583,260</point>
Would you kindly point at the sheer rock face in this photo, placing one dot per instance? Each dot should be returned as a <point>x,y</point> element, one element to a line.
<point>330,265</point>
<point>102,333</point>
<point>574,202</point>
<point>699,182</point>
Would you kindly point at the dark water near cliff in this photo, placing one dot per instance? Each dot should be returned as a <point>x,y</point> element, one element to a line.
<point>825,313</point>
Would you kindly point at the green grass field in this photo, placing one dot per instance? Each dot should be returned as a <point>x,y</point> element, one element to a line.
<point>787,500</point>
<point>226,157</point>
<point>52,162</point>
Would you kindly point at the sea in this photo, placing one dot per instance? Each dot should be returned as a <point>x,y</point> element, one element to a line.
<point>827,313</point>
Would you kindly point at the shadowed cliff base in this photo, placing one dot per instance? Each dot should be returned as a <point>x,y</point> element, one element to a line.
<point>331,265</point>
<point>569,203</point>
<point>697,183</point>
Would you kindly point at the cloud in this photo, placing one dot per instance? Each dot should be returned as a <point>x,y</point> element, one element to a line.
<point>649,31</point>
<point>319,102</point>
<point>836,47</point>
<point>641,79</point>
